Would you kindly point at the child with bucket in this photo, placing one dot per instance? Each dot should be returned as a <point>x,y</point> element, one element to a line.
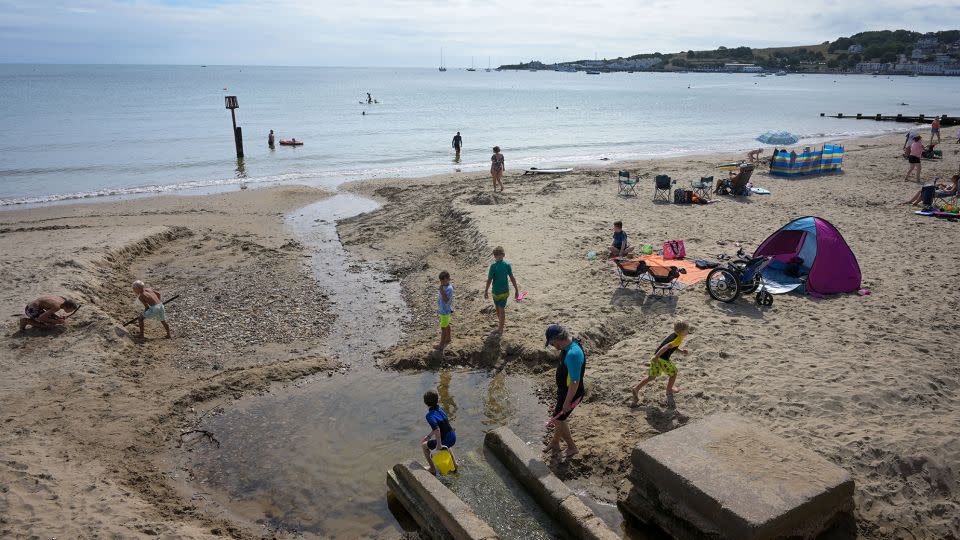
<point>441,439</point>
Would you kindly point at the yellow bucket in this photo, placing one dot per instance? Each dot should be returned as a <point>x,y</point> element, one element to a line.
<point>443,462</point>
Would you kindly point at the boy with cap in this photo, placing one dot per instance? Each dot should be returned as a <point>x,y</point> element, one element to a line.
<point>570,388</point>
<point>661,364</point>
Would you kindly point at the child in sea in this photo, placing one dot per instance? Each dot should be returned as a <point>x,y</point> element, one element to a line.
<point>150,298</point>
<point>442,435</point>
<point>661,364</point>
<point>498,274</point>
<point>444,309</point>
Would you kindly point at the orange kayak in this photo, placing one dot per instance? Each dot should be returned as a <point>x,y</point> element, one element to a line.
<point>291,143</point>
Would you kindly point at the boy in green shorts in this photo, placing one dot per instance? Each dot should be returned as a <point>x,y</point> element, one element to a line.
<point>444,309</point>
<point>499,271</point>
<point>660,364</point>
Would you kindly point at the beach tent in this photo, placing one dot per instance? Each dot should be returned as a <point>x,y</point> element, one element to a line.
<point>827,261</point>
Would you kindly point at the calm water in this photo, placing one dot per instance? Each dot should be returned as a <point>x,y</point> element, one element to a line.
<point>81,131</point>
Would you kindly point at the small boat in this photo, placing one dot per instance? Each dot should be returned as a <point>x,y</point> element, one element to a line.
<point>471,68</point>
<point>442,69</point>
<point>291,142</point>
<point>781,73</point>
<point>592,72</point>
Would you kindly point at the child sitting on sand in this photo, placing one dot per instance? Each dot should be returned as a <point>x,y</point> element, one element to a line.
<point>620,247</point>
<point>661,364</point>
<point>498,274</point>
<point>152,304</point>
<point>442,435</point>
<point>444,309</point>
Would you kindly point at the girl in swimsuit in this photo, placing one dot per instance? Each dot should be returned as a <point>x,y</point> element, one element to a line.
<point>497,166</point>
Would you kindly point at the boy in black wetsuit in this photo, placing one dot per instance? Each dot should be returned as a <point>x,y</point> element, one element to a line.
<point>442,435</point>
<point>661,364</point>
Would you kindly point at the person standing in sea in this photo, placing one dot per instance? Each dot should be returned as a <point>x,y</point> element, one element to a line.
<point>457,143</point>
<point>270,139</point>
<point>497,166</point>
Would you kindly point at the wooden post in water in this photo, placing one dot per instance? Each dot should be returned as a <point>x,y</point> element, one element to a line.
<point>859,116</point>
<point>879,117</point>
<point>839,115</point>
<point>237,133</point>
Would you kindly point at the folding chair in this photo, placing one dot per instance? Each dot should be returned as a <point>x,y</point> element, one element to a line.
<point>661,188</point>
<point>703,188</point>
<point>626,186</point>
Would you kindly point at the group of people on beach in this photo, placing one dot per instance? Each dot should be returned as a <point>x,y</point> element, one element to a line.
<point>571,365</point>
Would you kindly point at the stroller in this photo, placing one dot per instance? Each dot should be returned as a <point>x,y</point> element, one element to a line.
<point>662,279</point>
<point>742,275</point>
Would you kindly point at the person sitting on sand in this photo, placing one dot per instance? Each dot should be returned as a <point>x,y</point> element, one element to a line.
<point>942,190</point>
<point>570,388</point>
<point>754,155</point>
<point>498,274</point>
<point>620,248</point>
<point>444,309</point>
<point>443,434</point>
<point>661,364</point>
<point>152,304</point>
<point>42,312</point>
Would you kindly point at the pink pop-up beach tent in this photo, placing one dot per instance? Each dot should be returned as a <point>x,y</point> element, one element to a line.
<point>827,261</point>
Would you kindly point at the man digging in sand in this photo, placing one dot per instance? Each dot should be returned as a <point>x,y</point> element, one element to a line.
<point>152,304</point>
<point>570,388</point>
<point>660,364</point>
<point>42,312</point>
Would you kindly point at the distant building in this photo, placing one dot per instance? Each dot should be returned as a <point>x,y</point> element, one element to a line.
<point>856,48</point>
<point>910,67</point>
<point>870,67</point>
<point>742,68</point>
<point>942,58</point>
<point>918,55</point>
<point>928,42</point>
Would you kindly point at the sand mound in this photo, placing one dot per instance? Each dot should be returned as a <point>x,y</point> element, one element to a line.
<point>486,198</point>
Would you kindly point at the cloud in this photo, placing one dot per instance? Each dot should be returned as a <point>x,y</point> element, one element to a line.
<point>411,32</point>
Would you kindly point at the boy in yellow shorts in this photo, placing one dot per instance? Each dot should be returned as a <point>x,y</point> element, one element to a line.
<point>444,309</point>
<point>498,275</point>
<point>661,364</point>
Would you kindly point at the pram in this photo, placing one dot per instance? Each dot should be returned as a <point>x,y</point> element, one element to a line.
<point>662,279</point>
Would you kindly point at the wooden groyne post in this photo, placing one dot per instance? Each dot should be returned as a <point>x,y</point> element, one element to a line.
<point>237,133</point>
<point>945,120</point>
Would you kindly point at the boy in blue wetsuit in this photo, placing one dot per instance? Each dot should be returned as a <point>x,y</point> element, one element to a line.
<point>442,435</point>
<point>661,364</point>
<point>570,389</point>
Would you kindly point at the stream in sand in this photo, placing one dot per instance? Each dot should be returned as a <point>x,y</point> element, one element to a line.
<point>312,458</point>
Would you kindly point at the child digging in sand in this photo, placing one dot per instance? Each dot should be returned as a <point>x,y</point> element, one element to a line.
<point>442,435</point>
<point>498,274</point>
<point>444,309</point>
<point>152,304</point>
<point>661,364</point>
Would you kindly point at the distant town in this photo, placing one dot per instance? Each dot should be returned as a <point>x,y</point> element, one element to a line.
<point>885,52</point>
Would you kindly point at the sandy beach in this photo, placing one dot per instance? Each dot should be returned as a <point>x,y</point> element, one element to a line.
<point>868,382</point>
<point>90,412</point>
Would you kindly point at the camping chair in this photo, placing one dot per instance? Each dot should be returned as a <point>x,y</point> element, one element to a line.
<point>703,187</point>
<point>661,188</point>
<point>662,279</point>
<point>626,186</point>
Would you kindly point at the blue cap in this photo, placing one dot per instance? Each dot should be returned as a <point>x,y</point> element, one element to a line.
<point>553,331</point>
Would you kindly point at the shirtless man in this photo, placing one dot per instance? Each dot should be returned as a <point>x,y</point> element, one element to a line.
<point>154,307</point>
<point>754,155</point>
<point>42,312</point>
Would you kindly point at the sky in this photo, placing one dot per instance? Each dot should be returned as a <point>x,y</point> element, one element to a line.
<point>399,33</point>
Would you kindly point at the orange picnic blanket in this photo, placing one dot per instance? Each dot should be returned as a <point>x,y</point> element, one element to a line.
<point>693,276</point>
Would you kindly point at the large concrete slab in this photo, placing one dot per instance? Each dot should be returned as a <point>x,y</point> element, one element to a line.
<point>548,490</point>
<point>725,477</point>
<point>438,511</point>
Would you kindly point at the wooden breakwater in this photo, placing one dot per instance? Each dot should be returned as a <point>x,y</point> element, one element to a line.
<point>945,120</point>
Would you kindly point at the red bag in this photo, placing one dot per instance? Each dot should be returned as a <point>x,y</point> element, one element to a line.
<point>673,249</point>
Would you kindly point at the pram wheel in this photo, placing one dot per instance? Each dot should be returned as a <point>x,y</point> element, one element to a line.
<point>723,285</point>
<point>764,298</point>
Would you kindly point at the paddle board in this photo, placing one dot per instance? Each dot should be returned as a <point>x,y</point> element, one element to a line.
<point>760,191</point>
<point>937,214</point>
<point>534,170</point>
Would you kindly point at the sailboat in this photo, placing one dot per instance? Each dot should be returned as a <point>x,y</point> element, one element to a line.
<point>471,68</point>
<point>441,60</point>
<point>488,70</point>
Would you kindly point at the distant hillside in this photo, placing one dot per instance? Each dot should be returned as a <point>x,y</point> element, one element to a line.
<point>843,54</point>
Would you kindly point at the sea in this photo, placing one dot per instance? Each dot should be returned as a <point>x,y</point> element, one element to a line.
<point>91,131</point>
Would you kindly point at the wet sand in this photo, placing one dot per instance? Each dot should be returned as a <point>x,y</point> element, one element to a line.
<point>869,382</point>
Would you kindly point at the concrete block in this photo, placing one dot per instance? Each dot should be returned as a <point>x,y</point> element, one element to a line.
<point>727,478</point>
<point>548,490</point>
<point>438,511</point>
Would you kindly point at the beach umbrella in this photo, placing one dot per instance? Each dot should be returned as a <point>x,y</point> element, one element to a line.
<point>778,138</point>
